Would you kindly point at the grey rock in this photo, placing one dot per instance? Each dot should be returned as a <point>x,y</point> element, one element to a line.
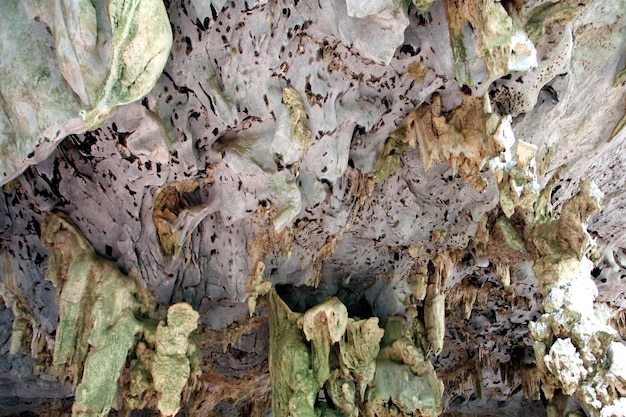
<point>216,117</point>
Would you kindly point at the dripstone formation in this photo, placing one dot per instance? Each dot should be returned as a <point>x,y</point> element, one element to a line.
<point>313,208</point>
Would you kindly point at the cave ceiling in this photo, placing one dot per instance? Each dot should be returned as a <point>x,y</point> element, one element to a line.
<point>320,208</point>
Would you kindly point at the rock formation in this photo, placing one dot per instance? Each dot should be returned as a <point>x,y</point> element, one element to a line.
<point>313,208</point>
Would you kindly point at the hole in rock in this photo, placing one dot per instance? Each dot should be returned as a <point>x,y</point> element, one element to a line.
<point>300,299</point>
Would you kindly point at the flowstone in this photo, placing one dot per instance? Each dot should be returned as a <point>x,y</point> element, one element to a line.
<point>98,323</point>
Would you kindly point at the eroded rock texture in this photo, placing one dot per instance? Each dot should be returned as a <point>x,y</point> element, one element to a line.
<point>319,208</point>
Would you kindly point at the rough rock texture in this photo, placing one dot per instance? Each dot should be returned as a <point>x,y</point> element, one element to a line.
<point>418,161</point>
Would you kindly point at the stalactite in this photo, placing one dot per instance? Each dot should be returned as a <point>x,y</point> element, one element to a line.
<point>103,313</point>
<point>365,377</point>
<point>571,342</point>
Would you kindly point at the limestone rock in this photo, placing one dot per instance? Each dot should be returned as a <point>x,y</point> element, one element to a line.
<point>417,162</point>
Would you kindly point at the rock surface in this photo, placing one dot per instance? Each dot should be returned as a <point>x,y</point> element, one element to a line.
<point>418,161</point>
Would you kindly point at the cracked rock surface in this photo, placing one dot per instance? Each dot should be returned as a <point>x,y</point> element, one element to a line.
<point>450,171</point>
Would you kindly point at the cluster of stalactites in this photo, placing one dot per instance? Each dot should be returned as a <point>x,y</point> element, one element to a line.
<point>574,348</point>
<point>363,369</point>
<point>104,315</point>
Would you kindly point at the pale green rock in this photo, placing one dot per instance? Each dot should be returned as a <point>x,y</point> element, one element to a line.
<point>288,147</point>
<point>419,395</point>
<point>36,100</point>
<point>141,39</point>
<point>71,57</point>
<point>486,42</point>
<point>423,4</point>
<point>289,199</point>
<point>620,78</point>
<point>550,12</point>
<point>343,393</point>
<point>366,376</point>
<point>359,349</point>
<point>292,136</point>
<point>388,160</point>
<point>81,35</point>
<point>398,345</point>
<point>171,367</point>
<point>103,366</point>
<point>101,317</point>
<point>294,385</point>
<point>517,177</point>
<point>512,238</point>
<point>396,328</point>
<point>259,287</point>
<point>435,318</point>
<point>326,411</point>
<point>415,387</point>
<point>324,325</point>
<point>140,376</point>
<point>97,308</point>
